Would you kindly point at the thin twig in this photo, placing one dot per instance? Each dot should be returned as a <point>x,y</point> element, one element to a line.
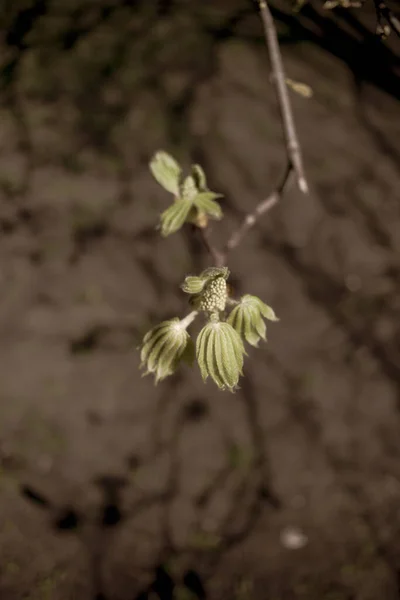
<point>292,143</point>
<point>263,207</point>
<point>294,158</point>
<point>218,257</point>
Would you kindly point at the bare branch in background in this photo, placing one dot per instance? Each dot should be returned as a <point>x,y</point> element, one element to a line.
<point>294,156</point>
<point>263,207</point>
<point>192,195</point>
<point>292,142</point>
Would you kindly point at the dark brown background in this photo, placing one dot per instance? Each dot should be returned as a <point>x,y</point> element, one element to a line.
<point>109,485</point>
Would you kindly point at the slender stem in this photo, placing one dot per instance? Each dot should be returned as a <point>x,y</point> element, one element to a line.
<point>218,257</point>
<point>263,207</point>
<point>292,143</point>
<point>294,157</point>
<point>188,319</point>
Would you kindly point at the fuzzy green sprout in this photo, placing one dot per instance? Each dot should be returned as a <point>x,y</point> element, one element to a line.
<point>219,349</point>
<point>193,202</point>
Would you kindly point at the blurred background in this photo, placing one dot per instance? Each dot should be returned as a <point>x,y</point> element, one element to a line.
<point>110,487</point>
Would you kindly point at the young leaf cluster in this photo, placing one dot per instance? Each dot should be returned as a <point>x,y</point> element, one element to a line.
<point>219,348</point>
<point>193,202</point>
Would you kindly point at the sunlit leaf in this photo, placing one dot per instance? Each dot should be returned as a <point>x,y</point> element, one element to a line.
<point>174,217</point>
<point>206,202</point>
<point>166,171</point>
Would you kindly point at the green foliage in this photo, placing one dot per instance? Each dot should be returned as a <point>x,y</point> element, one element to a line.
<point>164,347</point>
<point>205,202</point>
<point>247,319</point>
<point>219,353</point>
<point>209,289</point>
<point>175,216</point>
<point>219,349</point>
<point>193,202</point>
<point>166,171</point>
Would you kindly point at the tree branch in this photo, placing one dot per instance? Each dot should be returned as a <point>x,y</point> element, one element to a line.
<point>292,142</point>
<point>263,207</point>
<point>294,157</point>
<point>218,257</point>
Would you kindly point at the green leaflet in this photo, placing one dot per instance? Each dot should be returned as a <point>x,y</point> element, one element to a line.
<point>248,331</point>
<point>170,357</point>
<point>153,357</point>
<point>174,217</point>
<point>205,202</point>
<point>210,358</point>
<point>264,309</point>
<point>199,177</point>
<point>153,337</point>
<point>166,171</point>
<point>228,363</point>
<point>247,319</point>
<point>193,284</point>
<point>220,354</point>
<point>189,189</point>
<point>165,346</point>
<point>259,326</point>
<point>268,312</point>
<point>200,351</point>
<point>237,348</point>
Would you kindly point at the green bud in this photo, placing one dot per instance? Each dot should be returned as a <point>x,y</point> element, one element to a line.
<point>247,318</point>
<point>195,284</point>
<point>209,290</point>
<point>165,346</point>
<point>166,171</point>
<point>220,352</point>
<point>214,295</point>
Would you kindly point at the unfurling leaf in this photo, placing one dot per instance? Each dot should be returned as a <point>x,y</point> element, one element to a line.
<point>174,217</point>
<point>205,202</point>
<point>166,171</point>
<point>200,178</point>
<point>247,319</point>
<point>193,284</point>
<point>165,346</point>
<point>220,353</point>
<point>189,189</point>
<point>193,201</point>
